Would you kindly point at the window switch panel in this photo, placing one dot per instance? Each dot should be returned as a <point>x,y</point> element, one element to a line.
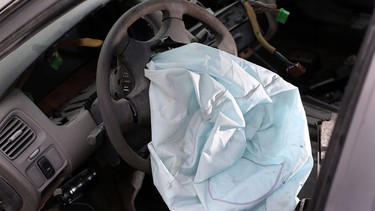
<point>46,167</point>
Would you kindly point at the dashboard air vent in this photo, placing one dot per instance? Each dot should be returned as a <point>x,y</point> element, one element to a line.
<point>15,137</point>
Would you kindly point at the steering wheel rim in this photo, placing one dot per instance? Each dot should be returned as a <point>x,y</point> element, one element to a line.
<point>118,43</point>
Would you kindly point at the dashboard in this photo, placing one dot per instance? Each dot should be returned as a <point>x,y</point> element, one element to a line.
<point>38,152</point>
<point>48,93</point>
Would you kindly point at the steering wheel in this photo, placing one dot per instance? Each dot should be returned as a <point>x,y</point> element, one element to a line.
<point>121,116</point>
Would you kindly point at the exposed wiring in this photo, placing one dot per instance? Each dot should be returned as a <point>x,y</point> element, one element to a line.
<point>295,69</point>
<point>271,6</point>
<point>283,59</point>
<point>256,28</point>
<point>260,7</point>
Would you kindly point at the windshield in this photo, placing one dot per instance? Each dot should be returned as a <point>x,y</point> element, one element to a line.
<point>19,19</point>
<point>4,4</point>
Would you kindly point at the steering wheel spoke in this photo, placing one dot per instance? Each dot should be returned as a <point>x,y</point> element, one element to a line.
<point>124,114</point>
<point>174,28</point>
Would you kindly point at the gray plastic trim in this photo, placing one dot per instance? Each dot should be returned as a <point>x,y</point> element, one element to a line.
<point>13,65</point>
<point>65,146</point>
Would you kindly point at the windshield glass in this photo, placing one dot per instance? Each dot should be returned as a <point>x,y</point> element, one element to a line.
<point>4,4</point>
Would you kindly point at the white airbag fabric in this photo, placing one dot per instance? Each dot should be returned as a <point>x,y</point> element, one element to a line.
<point>226,134</point>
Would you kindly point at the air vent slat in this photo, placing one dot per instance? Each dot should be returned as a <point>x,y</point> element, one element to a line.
<point>10,128</point>
<point>23,143</point>
<point>15,137</point>
<point>11,139</point>
<point>15,144</point>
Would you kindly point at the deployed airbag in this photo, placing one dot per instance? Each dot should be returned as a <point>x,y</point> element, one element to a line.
<point>226,134</point>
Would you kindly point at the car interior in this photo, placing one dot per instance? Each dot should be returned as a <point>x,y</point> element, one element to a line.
<point>75,121</point>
